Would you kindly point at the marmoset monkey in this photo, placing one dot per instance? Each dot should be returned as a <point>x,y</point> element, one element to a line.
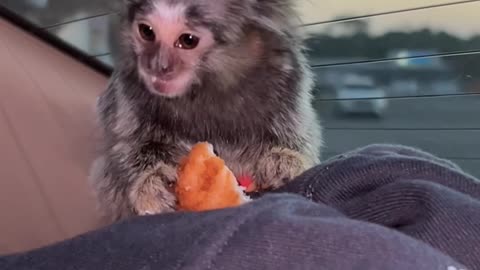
<point>229,72</point>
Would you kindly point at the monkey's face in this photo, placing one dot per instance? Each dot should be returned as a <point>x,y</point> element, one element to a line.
<point>179,43</point>
<point>169,48</point>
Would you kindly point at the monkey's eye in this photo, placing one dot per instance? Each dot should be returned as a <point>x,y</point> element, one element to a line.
<point>146,32</point>
<point>187,42</point>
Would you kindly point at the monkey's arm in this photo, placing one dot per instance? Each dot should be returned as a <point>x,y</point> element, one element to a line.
<point>153,174</point>
<point>135,172</point>
<point>289,155</point>
<point>133,178</point>
<point>279,165</point>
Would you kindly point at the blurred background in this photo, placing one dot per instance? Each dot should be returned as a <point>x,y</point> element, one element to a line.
<point>397,71</point>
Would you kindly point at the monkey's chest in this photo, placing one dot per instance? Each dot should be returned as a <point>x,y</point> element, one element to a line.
<point>226,128</point>
<point>241,160</point>
<point>239,140</point>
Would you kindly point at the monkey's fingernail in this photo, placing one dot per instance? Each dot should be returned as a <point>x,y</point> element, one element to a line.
<point>286,180</point>
<point>252,187</point>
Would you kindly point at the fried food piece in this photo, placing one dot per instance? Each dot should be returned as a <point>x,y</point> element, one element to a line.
<point>206,183</point>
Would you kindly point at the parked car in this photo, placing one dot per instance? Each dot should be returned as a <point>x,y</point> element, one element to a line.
<point>358,94</point>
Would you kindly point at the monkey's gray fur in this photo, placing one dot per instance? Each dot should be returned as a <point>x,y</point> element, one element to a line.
<point>255,110</point>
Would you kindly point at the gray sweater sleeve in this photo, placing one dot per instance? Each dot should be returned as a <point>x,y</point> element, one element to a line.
<point>381,207</point>
<point>275,232</point>
<point>404,189</point>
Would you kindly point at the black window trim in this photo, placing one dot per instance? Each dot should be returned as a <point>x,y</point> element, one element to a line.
<point>54,41</point>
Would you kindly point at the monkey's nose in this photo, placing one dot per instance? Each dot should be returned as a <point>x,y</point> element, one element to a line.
<point>166,68</point>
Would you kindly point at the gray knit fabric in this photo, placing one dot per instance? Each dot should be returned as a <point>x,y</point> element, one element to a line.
<point>405,189</point>
<point>379,207</point>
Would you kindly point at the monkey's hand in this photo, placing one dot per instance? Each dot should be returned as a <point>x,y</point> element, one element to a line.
<point>153,192</point>
<point>279,166</point>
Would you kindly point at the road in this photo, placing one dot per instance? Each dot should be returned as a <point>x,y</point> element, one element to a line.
<point>448,127</point>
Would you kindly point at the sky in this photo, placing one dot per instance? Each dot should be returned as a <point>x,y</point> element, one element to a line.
<point>460,19</point>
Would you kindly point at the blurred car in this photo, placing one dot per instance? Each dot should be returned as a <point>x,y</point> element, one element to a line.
<point>404,87</point>
<point>358,94</point>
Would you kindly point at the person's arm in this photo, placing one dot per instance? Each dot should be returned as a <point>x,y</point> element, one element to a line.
<point>275,232</point>
<point>408,190</point>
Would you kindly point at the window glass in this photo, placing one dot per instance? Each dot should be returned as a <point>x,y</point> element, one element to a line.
<point>398,71</point>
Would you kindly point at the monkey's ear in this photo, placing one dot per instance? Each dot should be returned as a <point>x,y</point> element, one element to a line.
<point>276,15</point>
<point>274,2</point>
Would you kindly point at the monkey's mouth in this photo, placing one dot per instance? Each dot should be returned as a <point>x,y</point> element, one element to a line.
<point>160,82</point>
<point>170,86</point>
<point>163,86</point>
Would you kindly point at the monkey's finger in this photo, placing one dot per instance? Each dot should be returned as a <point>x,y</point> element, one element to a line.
<point>252,187</point>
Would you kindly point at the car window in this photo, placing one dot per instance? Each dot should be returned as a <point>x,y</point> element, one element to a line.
<point>424,57</point>
<point>421,58</point>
